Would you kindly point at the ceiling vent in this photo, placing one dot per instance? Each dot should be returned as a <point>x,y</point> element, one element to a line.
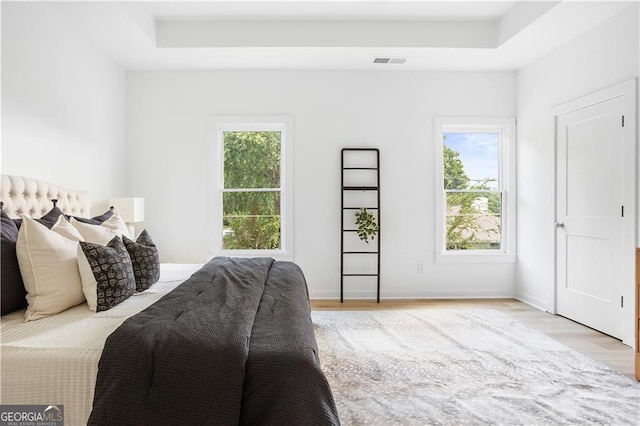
<point>389,60</point>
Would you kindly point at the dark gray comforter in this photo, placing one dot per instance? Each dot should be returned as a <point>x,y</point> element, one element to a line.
<point>234,344</point>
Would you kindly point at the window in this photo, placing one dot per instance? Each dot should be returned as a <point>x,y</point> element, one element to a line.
<point>475,194</point>
<point>254,208</point>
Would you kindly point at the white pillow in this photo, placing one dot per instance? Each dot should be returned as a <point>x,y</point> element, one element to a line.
<point>49,267</point>
<point>93,233</point>
<point>117,225</point>
<point>64,228</point>
<point>89,282</point>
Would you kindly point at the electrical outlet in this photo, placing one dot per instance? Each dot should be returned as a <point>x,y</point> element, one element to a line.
<point>420,266</point>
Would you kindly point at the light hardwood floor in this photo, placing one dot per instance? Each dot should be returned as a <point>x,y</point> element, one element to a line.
<point>594,344</point>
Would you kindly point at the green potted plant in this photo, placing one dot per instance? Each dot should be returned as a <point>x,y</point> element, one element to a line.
<point>367,226</point>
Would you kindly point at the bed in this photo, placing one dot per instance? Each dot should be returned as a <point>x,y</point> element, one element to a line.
<point>228,342</point>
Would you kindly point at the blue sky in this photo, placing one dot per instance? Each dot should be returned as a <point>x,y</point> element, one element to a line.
<point>479,153</point>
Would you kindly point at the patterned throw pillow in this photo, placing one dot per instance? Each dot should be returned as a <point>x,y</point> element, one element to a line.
<point>106,272</point>
<point>145,259</point>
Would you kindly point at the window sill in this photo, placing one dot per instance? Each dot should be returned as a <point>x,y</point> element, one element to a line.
<point>475,258</point>
<point>276,254</point>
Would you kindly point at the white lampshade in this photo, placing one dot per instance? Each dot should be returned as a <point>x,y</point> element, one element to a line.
<point>131,209</point>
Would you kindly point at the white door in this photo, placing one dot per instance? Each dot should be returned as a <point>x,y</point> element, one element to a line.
<point>589,236</point>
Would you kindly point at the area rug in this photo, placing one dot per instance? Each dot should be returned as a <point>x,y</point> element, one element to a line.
<point>463,367</point>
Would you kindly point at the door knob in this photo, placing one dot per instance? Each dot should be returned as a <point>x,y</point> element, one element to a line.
<point>559,225</point>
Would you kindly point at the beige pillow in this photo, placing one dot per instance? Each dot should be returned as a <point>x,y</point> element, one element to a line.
<point>49,267</point>
<point>93,233</point>
<point>66,229</point>
<point>117,225</point>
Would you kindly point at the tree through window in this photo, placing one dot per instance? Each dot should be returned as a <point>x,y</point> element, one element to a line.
<point>251,193</point>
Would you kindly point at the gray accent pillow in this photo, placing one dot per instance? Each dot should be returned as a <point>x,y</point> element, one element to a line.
<point>145,259</point>
<point>51,217</point>
<point>13,294</point>
<point>97,220</point>
<point>112,280</point>
<point>47,220</point>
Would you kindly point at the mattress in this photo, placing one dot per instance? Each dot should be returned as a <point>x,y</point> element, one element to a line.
<point>54,360</point>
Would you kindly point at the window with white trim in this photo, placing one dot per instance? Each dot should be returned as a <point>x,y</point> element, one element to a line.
<point>475,192</point>
<point>254,186</point>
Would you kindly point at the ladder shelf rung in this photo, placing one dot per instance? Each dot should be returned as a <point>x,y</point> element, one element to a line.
<point>360,188</point>
<point>360,252</point>
<point>359,275</point>
<point>358,208</point>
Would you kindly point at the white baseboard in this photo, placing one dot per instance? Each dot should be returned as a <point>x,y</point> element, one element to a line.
<point>533,301</point>
<point>368,295</point>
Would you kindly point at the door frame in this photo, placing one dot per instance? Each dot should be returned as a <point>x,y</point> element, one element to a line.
<point>628,91</point>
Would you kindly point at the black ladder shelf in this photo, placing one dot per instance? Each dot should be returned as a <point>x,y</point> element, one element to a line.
<point>360,183</point>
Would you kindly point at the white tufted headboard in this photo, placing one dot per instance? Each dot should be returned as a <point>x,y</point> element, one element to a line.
<point>32,197</point>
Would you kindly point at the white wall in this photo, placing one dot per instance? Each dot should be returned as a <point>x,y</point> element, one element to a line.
<point>170,138</point>
<point>605,56</point>
<point>63,120</point>
<point>63,105</point>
